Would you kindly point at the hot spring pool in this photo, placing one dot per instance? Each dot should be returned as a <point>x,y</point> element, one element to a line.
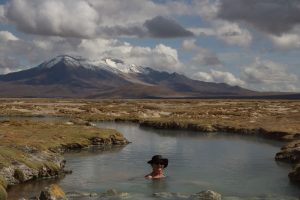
<point>237,167</point>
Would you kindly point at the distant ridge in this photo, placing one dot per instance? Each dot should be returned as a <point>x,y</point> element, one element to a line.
<point>75,77</point>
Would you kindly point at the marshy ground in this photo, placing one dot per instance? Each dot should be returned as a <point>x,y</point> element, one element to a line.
<point>270,115</point>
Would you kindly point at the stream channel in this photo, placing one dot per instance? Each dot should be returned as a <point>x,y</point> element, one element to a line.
<point>237,167</point>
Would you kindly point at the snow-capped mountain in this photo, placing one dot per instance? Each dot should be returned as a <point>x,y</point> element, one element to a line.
<point>109,64</point>
<point>76,77</point>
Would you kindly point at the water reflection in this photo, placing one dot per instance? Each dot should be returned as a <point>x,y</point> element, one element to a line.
<point>209,135</point>
<point>158,185</point>
<point>94,150</point>
<point>29,189</point>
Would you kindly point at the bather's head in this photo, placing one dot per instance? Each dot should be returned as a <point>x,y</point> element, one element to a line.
<point>158,163</point>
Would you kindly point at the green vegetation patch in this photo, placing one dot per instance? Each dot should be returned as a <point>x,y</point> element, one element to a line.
<point>3,182</point>
<point>3,193</point>
<point>19,175</point>
<point>22,140</point>
<point>52,166</point>
<point>42,135</point>
<point>8,155</point>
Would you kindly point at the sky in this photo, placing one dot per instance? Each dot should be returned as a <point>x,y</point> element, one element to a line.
<point>253,44</point>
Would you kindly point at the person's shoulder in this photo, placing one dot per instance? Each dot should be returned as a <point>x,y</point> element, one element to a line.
<point>148,176</point>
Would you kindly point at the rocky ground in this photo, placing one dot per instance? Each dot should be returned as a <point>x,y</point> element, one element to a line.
<point>55,192</point>
<point>31,150</point>
<point>273,119</point>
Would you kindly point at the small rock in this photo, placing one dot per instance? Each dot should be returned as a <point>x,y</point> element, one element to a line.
<point>206,195</point>
<point>289,154</point>
<point>110,192</point>
<point>295,174</point>
<point>53,192</point>
<point>66,171</point>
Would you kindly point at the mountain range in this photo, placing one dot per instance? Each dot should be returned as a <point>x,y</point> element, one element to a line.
<point>75,77</point>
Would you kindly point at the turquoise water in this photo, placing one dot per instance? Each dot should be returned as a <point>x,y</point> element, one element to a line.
<point>234,166</point>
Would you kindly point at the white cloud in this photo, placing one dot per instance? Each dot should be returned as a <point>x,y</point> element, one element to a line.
<point>64,18</point>
<point>202,56</point>
<point>160,57</point>
<point>207,9</point>
<point>206,57</point>
<point>286,41</point>
<point>202,31</point>
<point>268,75</point>
<point>203,76</point>
<point>262,75</point>
<point>219,77</point>
<point>2,14</point>
<point>230,33</point>
<point>87,18</point>
<point>189,45</point>
<point>7,36</point>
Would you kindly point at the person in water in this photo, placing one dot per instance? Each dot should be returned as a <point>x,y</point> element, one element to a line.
<point>158,164</point>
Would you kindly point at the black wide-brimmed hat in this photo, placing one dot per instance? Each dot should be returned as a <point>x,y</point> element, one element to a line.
<point>158,159</point>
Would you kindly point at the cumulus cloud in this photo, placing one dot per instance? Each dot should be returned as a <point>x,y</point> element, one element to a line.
<point>207,9</point>
<point>206,57</point>
<point>93,18</point>
<point>219,77</point>
<point>261,75</point>
<point>202,56</point>
<point>2,14</point>
<point>160,57</point>
<point>162,27</point>
<point>202,31</point>
<point>158,27</point>
<point>275,17</point>
<point>286,41</point>
<point>189,45</point>
<point>230,33</point>
<point>6,36</point>
<point>8,65</point>
<point>62,18</point>
<point>268,75</point>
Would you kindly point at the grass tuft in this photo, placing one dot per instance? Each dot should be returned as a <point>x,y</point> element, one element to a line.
<point>19,175</point>
<point>3,193</point>
<point>3,182</point>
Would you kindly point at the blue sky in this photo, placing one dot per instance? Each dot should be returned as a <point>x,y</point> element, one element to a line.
<point>207,40</point>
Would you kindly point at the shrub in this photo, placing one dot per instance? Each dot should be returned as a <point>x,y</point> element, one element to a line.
<point>3,182</point>
<point>3,194</point>
<point>19,175</point>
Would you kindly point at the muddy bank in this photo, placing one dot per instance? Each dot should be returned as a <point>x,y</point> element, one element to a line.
<point>34,150</point>
<point>275,135</point>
